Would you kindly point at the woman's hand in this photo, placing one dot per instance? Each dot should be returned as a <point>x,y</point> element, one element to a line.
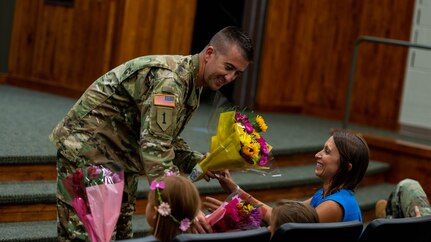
<point>211,204</point>
<point>200,225</point>
<point>226,181</point>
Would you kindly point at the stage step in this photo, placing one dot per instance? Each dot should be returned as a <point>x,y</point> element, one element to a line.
<point>35,200</point>
<point>44,168</point>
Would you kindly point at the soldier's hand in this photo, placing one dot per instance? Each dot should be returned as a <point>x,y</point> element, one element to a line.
<point>417,211</point>
<point>209,175</point>
<point>213,175</point>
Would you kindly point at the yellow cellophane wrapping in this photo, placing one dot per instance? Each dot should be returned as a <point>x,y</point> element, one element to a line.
<point>225,147</point>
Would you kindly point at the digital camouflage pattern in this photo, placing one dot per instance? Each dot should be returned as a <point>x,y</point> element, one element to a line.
<point>117,120</point>
<point>402,201</point>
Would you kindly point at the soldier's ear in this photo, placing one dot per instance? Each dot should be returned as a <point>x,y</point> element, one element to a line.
<point>209,52</point>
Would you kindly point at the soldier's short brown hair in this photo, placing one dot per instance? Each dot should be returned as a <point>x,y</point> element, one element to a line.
<point>233,35</point>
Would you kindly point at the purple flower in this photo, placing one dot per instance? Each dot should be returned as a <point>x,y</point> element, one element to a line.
<point>248,127</point>
<point>263,146</point>
<point>185,224</point>
<point>263,160</point>
<point>116,178</point>
<point>239,118</point>
<point>264,149</point>
<point>251,221</point>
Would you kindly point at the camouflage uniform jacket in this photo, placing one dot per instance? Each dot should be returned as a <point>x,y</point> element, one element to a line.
<point>133,115</point>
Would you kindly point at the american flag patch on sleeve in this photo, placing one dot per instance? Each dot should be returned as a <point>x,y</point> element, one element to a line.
<point>164,100</point>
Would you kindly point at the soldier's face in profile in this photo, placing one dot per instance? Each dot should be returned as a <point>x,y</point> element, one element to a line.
<point>223,67</point>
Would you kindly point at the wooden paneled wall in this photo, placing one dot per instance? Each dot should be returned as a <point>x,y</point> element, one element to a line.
<point>307,53</point>
<point>63,49</point>
<point>406,159</point>
<point>154,27</point>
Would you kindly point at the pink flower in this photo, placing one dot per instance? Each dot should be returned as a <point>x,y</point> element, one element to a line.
<point>170,173</point>
<point>235,219</point>
<point>157,185</point>
<point>93,172</point>
<point>164,209</point>
<point>185,224</point>
<point>77,177</point>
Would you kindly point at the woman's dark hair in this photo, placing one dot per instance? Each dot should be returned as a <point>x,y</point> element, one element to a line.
<point>353,149</point>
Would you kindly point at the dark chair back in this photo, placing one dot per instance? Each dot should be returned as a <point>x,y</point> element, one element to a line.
<point>253,235</point>
<point>398,229</point>
<point>148,238</point>
<point>334,232</point>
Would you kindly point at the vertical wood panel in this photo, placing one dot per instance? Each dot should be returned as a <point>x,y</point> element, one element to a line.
<point>155,27</point>
<point>381,68</point>
<point>307,54</point>
<point>60,46</point>
<point>23,36</point>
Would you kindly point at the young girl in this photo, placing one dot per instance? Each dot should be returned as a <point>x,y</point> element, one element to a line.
<point>173,204</point>
<point>290,211</point>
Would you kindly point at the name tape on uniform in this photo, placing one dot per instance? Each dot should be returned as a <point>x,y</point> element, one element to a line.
<point>164,100</point>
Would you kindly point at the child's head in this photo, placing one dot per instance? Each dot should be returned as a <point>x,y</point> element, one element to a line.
<point>173,203</point>
<point>290,211</point>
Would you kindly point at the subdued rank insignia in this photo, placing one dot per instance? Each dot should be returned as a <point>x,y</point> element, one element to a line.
<point>164,117</point>
<point>166,100</point>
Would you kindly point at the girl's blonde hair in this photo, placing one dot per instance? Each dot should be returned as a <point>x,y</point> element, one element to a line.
<point>290,211</point>
<point>184,202</point>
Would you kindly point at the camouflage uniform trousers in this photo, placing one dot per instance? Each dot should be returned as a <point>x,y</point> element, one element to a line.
<point>402,201</point>
<point>69,226</point>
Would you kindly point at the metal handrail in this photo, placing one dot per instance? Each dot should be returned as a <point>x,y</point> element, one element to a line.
<point>358,41</point>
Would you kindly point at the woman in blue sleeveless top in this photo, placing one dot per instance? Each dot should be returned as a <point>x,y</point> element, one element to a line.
<point>341,165</point>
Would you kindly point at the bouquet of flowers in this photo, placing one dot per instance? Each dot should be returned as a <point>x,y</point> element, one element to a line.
<point>235,214</point>
<point>237,144</point>
<point>96,192</point>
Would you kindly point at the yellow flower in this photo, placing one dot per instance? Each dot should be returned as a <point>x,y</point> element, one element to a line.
<point>244,208</point>
<point>256,135</point>
<point>251,150</point>
<point>261,122</point>
<point>244,137</point>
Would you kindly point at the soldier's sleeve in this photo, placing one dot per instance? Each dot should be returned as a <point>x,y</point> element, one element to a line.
<point>159,122</point>
<point>185,158</point>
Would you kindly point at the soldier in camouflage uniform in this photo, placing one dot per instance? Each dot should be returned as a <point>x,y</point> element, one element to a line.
<point>406,195</point>
<point>404,198</point>
<point>133,115</point>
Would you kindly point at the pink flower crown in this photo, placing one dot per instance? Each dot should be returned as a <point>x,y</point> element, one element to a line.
<point>164,209</point>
